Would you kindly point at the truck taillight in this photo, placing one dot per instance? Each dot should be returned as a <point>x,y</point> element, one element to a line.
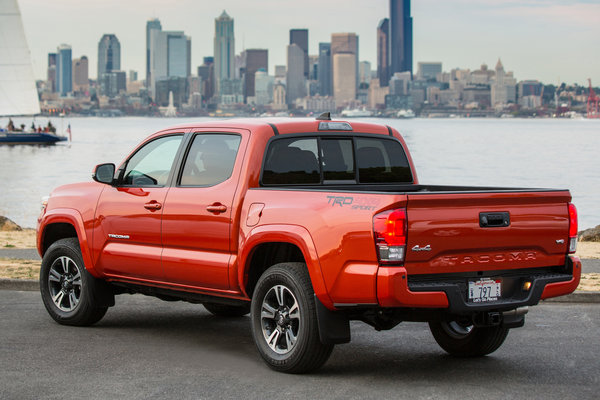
<point>389,230</point>
<point>572,228</point>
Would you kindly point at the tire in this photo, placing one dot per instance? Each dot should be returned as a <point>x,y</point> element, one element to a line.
<point>225,310</point>
<point>69,292</point>
<point>283,302</point>
<point>467,341</point>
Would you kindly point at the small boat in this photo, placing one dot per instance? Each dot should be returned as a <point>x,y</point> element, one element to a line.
<point>30,138</point>
<point>405,114</point>
<point>18,93</point>
<point>356,113</point>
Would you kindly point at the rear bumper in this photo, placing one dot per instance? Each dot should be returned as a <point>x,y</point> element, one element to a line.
<point>396,289</point>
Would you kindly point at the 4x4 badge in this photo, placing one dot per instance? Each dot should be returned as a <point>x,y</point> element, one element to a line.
<point>417,248</point>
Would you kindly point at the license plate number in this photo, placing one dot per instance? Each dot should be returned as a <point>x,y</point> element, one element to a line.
<point>484,290</point>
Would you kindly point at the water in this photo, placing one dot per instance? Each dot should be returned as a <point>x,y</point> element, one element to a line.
<point>482,152</point>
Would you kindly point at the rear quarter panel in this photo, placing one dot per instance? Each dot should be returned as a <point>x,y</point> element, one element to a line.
<point>340,225</point>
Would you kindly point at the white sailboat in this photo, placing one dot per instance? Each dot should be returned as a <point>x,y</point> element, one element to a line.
<point>18,93</point>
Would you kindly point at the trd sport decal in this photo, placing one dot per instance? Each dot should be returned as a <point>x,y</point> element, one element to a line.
<point>355,203</point>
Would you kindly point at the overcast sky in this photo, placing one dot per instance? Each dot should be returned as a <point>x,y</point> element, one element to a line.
<point>549,40</point>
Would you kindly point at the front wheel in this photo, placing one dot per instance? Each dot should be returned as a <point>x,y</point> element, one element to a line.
<point>70,294</point>
<point>284,320</point>
<point>467,340</point>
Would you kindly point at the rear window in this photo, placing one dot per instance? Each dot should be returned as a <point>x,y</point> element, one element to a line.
<point>339,160</point>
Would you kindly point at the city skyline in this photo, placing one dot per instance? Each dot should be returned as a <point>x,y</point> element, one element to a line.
<point>477,31</point>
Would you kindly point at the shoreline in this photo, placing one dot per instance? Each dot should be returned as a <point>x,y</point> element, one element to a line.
<point>27,269</point>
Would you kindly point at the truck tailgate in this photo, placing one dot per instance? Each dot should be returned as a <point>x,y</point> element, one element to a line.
<point>462,232</point>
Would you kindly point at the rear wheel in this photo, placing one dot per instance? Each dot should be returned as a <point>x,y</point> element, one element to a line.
<point>284,320</point>
<point>467,340</point>
<point>225,310</point>
<point>70,294</point>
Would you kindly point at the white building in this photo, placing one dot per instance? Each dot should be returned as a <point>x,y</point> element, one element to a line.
<point>503,87</point>
<point>344,78</point>
<point>263,87</point>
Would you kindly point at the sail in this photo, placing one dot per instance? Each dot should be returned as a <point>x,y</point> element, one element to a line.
<point>18,94</point>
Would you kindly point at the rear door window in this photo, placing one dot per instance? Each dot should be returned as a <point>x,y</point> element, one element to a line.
<point>210,159</point>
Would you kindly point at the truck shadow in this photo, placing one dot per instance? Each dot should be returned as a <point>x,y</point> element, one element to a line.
<point>406,354</point>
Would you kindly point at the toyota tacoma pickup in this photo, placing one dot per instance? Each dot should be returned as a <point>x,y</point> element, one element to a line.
<point>305,224</point>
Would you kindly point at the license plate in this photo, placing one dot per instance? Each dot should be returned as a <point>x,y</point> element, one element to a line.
<point>484,290</point>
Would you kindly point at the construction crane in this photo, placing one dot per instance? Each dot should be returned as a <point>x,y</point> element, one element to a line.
<point>593,109</point>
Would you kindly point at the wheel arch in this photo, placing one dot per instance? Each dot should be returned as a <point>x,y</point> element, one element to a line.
<point>64,223</point>
<point>272,244</point>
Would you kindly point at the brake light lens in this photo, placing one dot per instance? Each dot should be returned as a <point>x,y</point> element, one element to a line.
<point>572,228</point>
<point>389,230</point>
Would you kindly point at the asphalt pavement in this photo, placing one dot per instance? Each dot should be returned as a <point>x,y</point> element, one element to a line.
<point>145,348</point>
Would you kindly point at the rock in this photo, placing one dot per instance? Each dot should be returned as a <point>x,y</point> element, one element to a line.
<point>8,225</point>
<point>590,235</point>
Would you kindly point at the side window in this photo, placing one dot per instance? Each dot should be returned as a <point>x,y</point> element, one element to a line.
<point>151,164</point>
<point>210,159</point>
<point>292,161</point>
<point>381,161</point>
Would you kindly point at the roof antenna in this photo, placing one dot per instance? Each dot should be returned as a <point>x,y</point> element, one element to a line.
<point>326,116</point>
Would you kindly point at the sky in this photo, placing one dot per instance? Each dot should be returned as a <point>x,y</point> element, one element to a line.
<point>549,40</point>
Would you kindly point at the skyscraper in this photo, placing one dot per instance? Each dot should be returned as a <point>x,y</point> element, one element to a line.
<point>300,37</point>
<point>295,79</point>
<point>364,72</point>
<point>150,25</point>
<point>344,81</point>
<point>324,69</point>
<point>81,81</point>
<point>255,59</point>
<point>224,50</point>
<point>207,72</point>
<point>109,54</point>
<point>345,43</point>
<point>170,56</point>
<point>51,75</point>
<point>64,70</point>
<point>383,48</point>
<point>400,37</point>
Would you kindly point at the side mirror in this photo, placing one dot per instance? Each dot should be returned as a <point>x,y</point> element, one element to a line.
<point>104,173</point>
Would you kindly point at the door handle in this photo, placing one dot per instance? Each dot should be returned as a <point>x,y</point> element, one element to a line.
<point>153,205</point>
<point>216,208</point>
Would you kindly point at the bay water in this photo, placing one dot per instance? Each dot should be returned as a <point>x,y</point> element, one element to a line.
<point>527,153</point>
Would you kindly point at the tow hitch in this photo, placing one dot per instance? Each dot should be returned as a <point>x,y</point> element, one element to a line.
<point>510,319</point>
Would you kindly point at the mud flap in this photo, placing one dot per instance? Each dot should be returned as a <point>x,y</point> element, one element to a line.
<point>334,327</point>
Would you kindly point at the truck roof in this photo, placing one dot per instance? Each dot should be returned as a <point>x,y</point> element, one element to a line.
<point>284,125</point>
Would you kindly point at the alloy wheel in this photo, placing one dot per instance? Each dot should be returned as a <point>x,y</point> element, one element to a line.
<point>280,319</point>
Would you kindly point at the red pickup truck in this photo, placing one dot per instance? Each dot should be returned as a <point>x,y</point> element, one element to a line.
<point>306,225</point>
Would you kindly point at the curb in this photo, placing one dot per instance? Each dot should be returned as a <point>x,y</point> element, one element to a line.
<point>577,297</point>
<point>20,284</point>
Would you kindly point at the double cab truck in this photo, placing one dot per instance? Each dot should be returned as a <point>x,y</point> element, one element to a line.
<point>305,224</point>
